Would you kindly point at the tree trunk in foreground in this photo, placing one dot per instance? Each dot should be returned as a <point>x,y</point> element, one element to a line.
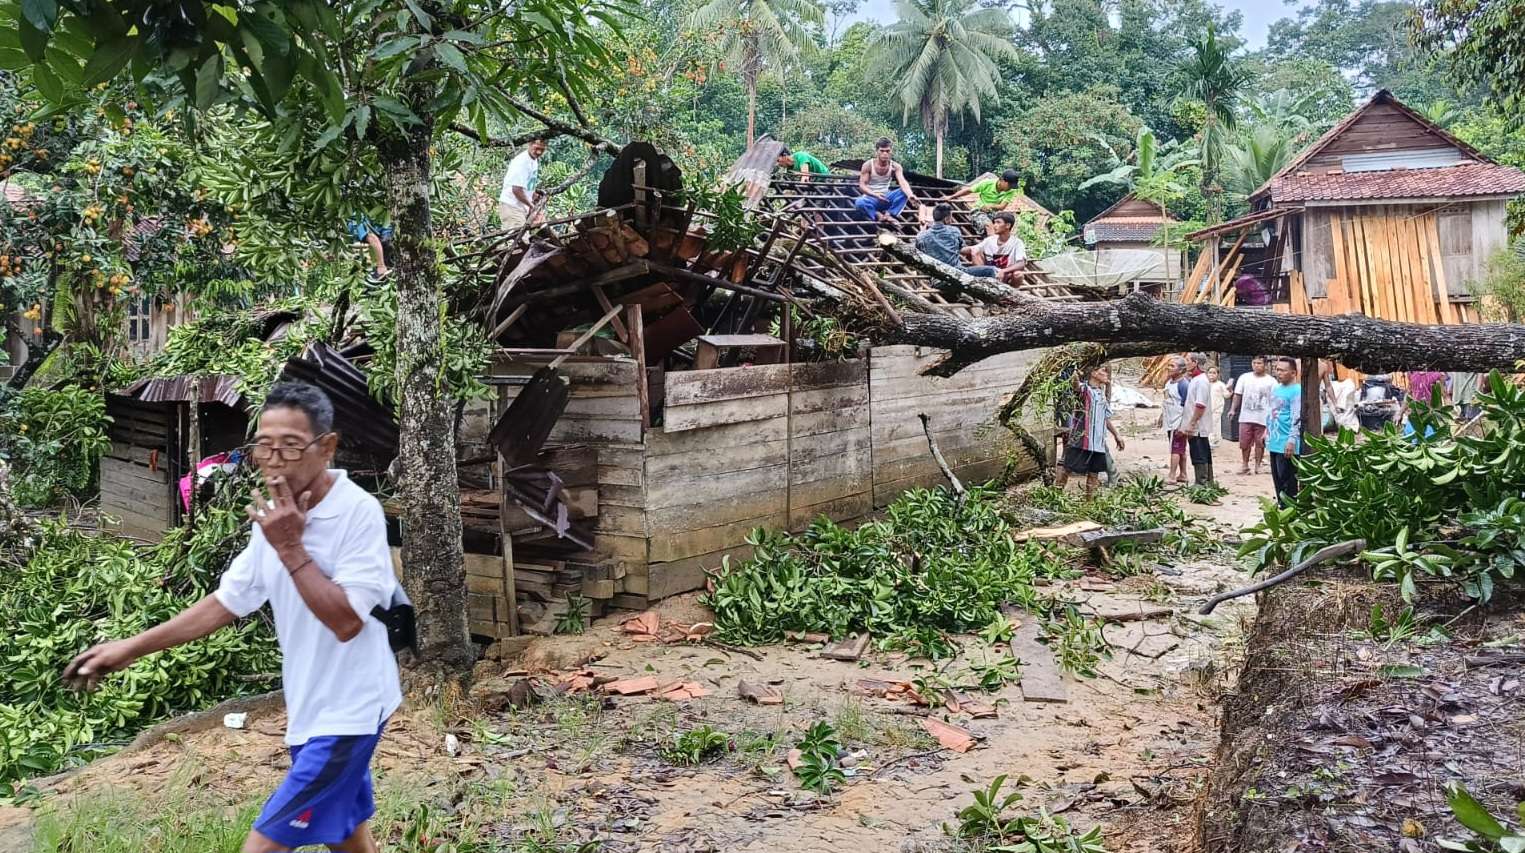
<point>1144,323</point>
<point>433,569</point>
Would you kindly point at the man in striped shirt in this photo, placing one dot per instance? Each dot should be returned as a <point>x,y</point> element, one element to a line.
<point>1085,453</point>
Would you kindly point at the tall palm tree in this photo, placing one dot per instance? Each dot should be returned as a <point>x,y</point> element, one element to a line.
<point>1212,77</point>
<point>757,35</point>
<point>942,56</point>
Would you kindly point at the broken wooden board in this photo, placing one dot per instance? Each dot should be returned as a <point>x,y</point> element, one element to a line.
<point>1106,538</point>
<point>849,649</point>
<point>1069,534</point>
<point>1041,681</point>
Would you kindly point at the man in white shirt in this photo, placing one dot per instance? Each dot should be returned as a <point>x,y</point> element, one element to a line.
<point>519,197</point>
<point>318,554</point>
<point>1196,423</point>
<point>1252,403</point>
<point>1002,249</point>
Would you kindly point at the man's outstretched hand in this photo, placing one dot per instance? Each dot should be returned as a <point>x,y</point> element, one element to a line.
<point>86,670</point>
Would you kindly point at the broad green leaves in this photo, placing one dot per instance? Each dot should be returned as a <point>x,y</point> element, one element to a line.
<point>1430,507</point>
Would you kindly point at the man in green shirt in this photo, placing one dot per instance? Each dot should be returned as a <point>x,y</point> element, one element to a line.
<point>991,195</point>
<point>802,162</point>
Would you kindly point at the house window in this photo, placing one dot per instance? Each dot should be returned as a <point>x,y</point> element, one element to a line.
<point>138,312</point>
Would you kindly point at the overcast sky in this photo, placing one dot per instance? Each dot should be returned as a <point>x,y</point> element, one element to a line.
<point>1258,15</point>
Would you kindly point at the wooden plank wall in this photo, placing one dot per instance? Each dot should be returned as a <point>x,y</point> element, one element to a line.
<point>135,472</point>
<point>779,445</point>
<point>962,411</point>
<point>1392,262</point>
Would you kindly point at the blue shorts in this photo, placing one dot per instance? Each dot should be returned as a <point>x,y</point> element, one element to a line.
<point>361,226</point>
<point>326,795</point>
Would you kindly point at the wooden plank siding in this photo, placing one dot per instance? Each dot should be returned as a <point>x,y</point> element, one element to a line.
<point>773,446</point>
<point>1411,263</point>
<point>135,474</point>
<point>780,445</point>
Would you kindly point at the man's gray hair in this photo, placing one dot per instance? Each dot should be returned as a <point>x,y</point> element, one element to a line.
<point>307,399</point>
<point>1177,360</point>
<point>1199,358</point>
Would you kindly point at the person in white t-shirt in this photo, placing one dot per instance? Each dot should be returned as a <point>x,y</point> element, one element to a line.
<point>318,554</point>
<point>1252,403</point>
<point>1002,249</point>
<point>518,204</point>
<point>1197,418</point>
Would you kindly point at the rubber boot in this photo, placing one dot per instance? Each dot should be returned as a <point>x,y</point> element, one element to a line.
<point>1202,474</point>
<point>1209,466</point>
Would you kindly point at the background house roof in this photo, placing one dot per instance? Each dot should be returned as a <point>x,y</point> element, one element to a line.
<point>1302,180</point>
<point>1468,179</point>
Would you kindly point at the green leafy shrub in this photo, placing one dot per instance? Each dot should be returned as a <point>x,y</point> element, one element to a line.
<point>985,821</point>
<point>54,440</point>
<point>695,746</point>
<point>820,766</point>
<point>1428,505</point>
<point>931,562</point>
<point>78,588</point>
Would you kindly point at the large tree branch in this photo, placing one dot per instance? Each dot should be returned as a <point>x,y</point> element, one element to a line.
<point>1143,322</point>
<point>949,279</point>
<point>554,125</point>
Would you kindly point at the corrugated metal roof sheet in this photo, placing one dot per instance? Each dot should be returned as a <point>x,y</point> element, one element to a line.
<point>754,169</point>
<point>212,388</point>
<point>358,418</point>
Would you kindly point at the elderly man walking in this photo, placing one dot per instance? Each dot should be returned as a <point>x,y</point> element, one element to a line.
<point>1196,425</point>
<point>318,554</point>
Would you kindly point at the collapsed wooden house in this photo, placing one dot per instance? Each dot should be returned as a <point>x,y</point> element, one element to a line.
<point>164,428</point>
<point>689,406</point>
<point>1386,215</point>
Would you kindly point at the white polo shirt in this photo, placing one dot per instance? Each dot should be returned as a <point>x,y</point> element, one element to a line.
<point>331,688</point>
<point>523,171</point>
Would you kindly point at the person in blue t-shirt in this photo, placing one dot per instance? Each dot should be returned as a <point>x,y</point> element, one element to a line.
<point>1284,429</point>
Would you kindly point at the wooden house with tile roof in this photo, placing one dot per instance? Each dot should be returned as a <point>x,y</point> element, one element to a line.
<point>1386,215</point>
<point>1129,231</point>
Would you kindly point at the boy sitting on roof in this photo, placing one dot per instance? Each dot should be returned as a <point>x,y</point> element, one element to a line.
<point>943,241</point>
<point>991,194</point>
<point>878,201</point>
<point>1002,249</point>
<point>802,162</point>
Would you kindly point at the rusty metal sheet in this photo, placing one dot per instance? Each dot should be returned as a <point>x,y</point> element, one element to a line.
<point>358,417</point>
<point>211,388</point>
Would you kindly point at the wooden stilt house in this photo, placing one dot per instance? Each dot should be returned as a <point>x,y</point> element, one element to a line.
<point>1386,215</point>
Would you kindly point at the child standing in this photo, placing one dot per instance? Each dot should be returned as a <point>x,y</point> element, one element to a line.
<point>1086,451</point>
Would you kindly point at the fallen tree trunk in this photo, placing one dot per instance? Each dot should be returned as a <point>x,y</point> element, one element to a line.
<point>1140,322</point>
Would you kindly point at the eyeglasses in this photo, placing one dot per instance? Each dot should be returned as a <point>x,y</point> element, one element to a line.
<point>265,452</point>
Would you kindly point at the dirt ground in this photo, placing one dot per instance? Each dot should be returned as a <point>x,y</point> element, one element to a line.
<point>1127,751</point>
